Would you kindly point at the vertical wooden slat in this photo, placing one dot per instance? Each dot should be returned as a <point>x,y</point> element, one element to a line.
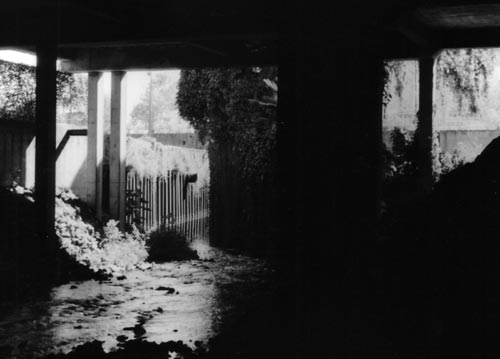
<point>179,199</point>
<point>188,216</point>
<point>198,222</point>
<point>164,196</point>
<point>172,198</point>
<point>167,189</point>
<point>175,199</point>
<point>193,212</point>
<point>193,217</point>
<point>143,195</point>
<point>161,200</point>
<point>153,202</point>
<point>156,201</point>
<point>183,203</point>
<point>202,214</point>
<point>127,188</point>
<point>148,184</point>
<point>177,202</point>
<point>148,181</point>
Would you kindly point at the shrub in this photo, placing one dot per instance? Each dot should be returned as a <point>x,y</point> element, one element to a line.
<point>166,244</point>
<point>123,251</point>
<point>109,251</point>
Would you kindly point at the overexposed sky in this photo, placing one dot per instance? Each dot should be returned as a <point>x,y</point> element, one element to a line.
<point>18,57</point>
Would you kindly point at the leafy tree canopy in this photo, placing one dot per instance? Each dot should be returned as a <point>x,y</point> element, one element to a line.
<point>157,109</point>
<point>237,107</point>
<point>466,72</point>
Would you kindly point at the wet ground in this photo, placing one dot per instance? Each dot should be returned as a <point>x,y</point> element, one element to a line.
<point>178,301</point>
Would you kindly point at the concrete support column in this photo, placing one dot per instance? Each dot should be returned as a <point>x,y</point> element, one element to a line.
<point>424,132</point>
<point>95,141</point>
<point>118,142</point>
<point>45,157</point>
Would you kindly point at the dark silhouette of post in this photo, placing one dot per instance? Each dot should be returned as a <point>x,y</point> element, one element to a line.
<point>45,158</point>
<point>423,134</point>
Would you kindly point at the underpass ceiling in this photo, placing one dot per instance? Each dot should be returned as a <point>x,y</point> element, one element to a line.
<point>152,34</point>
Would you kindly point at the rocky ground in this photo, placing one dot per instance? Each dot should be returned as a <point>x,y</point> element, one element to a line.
<point>191,302</point>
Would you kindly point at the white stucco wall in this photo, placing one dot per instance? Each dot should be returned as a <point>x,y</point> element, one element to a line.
<point>70,166</point>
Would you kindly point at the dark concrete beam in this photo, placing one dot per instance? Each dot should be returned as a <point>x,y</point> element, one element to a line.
<point>166,56</point>
<point>471,38</point>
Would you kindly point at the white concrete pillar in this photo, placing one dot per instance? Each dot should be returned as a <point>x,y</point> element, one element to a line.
<point>118,150</point>
<point>95,141</point>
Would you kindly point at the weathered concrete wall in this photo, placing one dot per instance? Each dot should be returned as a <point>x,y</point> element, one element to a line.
<point>70,166</point>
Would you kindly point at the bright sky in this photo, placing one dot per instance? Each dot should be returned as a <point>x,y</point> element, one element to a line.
<point>18,57</point>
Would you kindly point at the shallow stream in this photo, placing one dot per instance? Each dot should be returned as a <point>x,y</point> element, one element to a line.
<point>184,301</point>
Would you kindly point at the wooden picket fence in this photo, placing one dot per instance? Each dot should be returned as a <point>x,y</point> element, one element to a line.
<point>165,206</point>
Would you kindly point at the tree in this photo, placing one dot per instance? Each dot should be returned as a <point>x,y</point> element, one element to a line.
<point>466,72</point>
<point>234,111</point>
<point>157,110</point>
<point>236,107</point>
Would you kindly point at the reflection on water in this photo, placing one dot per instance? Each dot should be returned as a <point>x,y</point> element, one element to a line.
<point>173,301</point>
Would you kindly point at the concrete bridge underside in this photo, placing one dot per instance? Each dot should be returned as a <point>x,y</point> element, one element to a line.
<point>330,59</point>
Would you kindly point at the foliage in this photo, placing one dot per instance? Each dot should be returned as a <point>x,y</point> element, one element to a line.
<point>230,106</point>
<point>76,236</point>
<point>17,91</point>
<point>466,71</point>
<point>122,251</point>
<point>444,162</point>
<point>400,161</point>
<point>392,71</point>
<point>157,112</point>
<point>149,158</point>
<point>109,251</point>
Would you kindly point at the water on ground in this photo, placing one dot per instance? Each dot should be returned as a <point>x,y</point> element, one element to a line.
<point>186,301</point>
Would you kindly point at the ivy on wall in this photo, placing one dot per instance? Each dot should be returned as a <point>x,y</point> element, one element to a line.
<point>235,107</point>
<point>466,72</point>
<point>234,110</point>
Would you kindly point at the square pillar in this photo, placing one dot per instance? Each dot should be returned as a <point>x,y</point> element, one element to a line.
<point>95,141</point>
<point>45,156</point>
<point>118,150</point>
<point>424,132</point>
